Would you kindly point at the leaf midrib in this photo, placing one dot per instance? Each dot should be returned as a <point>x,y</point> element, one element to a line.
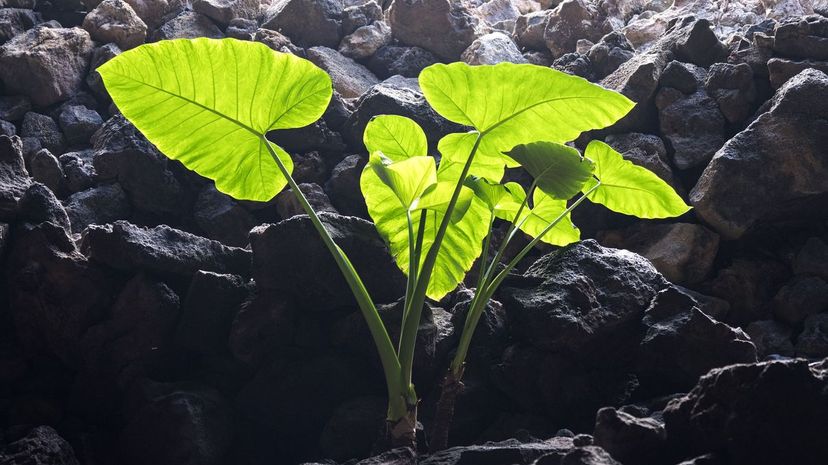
<point>211,110</point>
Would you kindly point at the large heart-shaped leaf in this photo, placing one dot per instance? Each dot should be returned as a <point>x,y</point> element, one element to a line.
<point>461,245</point>
<point>209,103</point>
<point>511,104</point>
<point>397,137</point>
<point>559,170</point>
<point>628,188</point>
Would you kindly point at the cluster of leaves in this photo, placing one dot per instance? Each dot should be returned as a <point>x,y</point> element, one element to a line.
<point>210,104</point>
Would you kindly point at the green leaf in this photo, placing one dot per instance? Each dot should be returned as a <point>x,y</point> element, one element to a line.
<point>397,137</point>
<point>208,103</point>
<point>628,188</point>
<point>437,198</point>
<point>559,171</point>
<point>461,245</point>
<point>543,212</point>
<point>408,179</point>
<point>489,192</point>
<point>513,104</point>
<point>454,150</point>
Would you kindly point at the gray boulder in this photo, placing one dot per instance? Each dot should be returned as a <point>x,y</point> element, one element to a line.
<point>350,78</point>
<point>115,21</point>
<point>758,164</point>
<point>97,205</point>
<point>161,250</point>
<point>306,22</point>
<point>45,64</point>
<point>491,49</point>
<point>445,28</point>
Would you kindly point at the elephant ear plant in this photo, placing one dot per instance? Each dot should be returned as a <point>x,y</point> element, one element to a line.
<point>210,104</point>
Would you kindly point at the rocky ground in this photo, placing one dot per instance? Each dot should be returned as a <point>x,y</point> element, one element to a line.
<point>147,319</point>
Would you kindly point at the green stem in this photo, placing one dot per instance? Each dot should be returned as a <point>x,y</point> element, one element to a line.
<point>412,268</point>
<point>482,269</point>
<point>485,292</point>
<point>510,232</point>
<point>410,325</point>
<point>387,354</point>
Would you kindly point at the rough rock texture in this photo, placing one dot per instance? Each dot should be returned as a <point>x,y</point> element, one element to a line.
<point>47,65</point>
<point>492,49</point>
<point>365,41</point>
<point>350,78</point>
<point>224,11</point>
<point>682,252</point>
<point>116,21</point>
<point>758,164</point>
<point>733,410</point>
<point>405,61</point>
<point>41,446</point>
<point>306,22</point>
<point>187,25</point>
<point>97,205</point>
<point>443,27</point>
<point>162,250</point>
<point>569,22</point>
<point>14,179</point>
<point>315,281</point>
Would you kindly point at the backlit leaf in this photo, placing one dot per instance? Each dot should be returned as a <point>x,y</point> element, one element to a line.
<point>559,170</point>
<point>628,188</point>
<point>208,103</point>
<point>397,137</point>
<point>408,179</point>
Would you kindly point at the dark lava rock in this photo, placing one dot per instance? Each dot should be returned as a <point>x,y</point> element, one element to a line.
<point>359,15</point>
<point>799,298</point>
<point>100,56</point>
<point>682,252</point>
<point>46,64</point>
<point>609,53</point>
<point>737,410</point>
<point>782,69</point>
<point>186,425</point>
<point>46,169</point>
<point>79,123</point>
<point>128,345</point>
<point>391,60</point>
<point>14,179</point>
<point>434,333</point>
<point>223,11</point>
<point>39,205</point>
<point>207,311</point>
<point>354,428</point>
<point>584,293</point>
<point>628,438</point>
<point>97,205</point>
<point>753,179</point>
<point>288,206</point>
<point>398,96</point>
<point>7,129</point>
<point>813,340</point>
<point>586,455</point>
<point>692,124</point>
<point>14,21</point>
<point>442,27</point>
<point>222,218</point>
<point>697,43</point>
<point>316,136</point>
<point>803,37</point>
<point>343,186</point>
<point>748,285</point>
<point>44,129</point>
<point>12,108</point>
<point>574,63</point>
<point>350,79</point>
<point>570,21</point>
<point>290,406</point>
<point>42,446</point>
<point>161,250</point>
<point>56,293</point>
<point>306,22</point>
<point>681,343</point>
<point>187,25</point>
<point>314,280</point>
<point>510,451</point>
<point>263,326</point>
<point>645,150</point>
<point>812,258</point>
<point>79,170</point>
<point>733,88</point>
<point>770,338</point>
<point>122,153</point>
<point>685,77</point>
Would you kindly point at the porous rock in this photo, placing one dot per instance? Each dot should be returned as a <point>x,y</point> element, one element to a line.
<point>161,250</point>
<point>350,78</point>
<point>756,163</point>
<point>47,65</point>
<point>443,27</point>
<point>97,205</point>
<point>115,21</point>
<point>306,22</point>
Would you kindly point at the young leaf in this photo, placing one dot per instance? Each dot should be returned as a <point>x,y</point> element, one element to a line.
<point>408,179</point>
<point>461,245</point>
<point>545,210</point>
<point>397,137</point>
<point>515,104</point>
<point>559,171</point>
<point>454,150</point>
<point>489,192</point>
<point>208,103</point>
<point>438,195</point>
<point>628,188</point>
